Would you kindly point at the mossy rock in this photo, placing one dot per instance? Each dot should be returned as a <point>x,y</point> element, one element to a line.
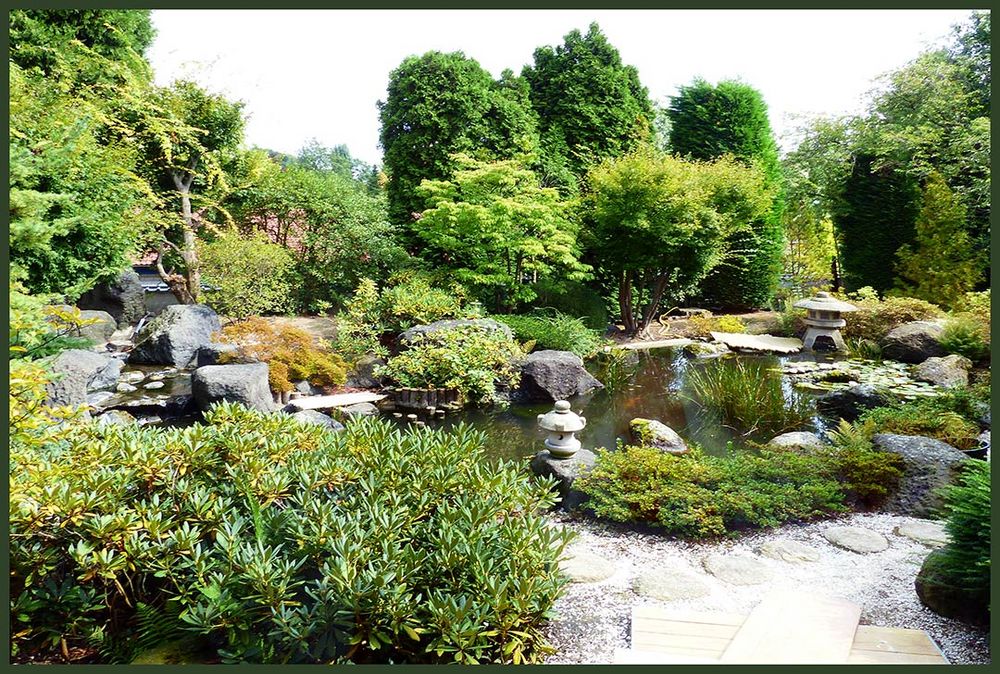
<point>939,593</point>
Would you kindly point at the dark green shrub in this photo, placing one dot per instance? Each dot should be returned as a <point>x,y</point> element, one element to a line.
<point>965,560</point>
<point>748,397</point>
<point>471,359</point>
<point>965,336</point>
<point>875,318</point>
<point>282,543</point>
<point>868,475</point>
<point>551,329</point>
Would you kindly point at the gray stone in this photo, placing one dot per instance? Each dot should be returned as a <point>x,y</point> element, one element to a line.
<point>928,532</point>
<point>428,331</point>
<point>124,299</point>
<point>737,569</point>
<point>303,387</point>
<point>856,539</point>
<point>565,471</point>
<point>849,403</point>
<point>79,371</point>
<point>914,342</point>
<point>211,354</point>
<point>947,371</point>
<point>312,417</point>
<point>787,550</point>
<point>669,584</point>
<point>153,385</point>
<point>363,375</point>
<point>99,331</point>
<point>705,349</point>
<point>98,398</point>
<point>586,567</point>
<point>547,376</point>
<point>360,410</point>
<point>985,414</point>
<point>928,465</point>
<point>115,418</point>
<point>161,407</point>
<point>796,440</point>
<point>243,384</point>
<point>132,377</point>
<point>652,433</point>
<point>124,387</point>
<point>176,335</point>
<point>149,420</point>
<point>939,592</point>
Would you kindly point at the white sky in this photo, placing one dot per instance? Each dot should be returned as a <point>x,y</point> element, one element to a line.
<point>318,73</point>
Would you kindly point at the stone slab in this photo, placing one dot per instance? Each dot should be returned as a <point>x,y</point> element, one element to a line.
<point>766,343</point>
<point>856,539</point>
<point>787,550</point>
<point>669,584</point>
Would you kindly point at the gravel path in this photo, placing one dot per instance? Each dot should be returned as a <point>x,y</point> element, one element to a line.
<point>593,618</point>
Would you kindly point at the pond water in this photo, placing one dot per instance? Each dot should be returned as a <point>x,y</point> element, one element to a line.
<point>657,390</point>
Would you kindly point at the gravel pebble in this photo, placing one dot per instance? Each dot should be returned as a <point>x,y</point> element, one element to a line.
<point>593,618</point>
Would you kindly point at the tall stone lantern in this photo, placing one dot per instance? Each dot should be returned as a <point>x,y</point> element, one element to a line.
<point>562,426</point>
<point>823,322</point>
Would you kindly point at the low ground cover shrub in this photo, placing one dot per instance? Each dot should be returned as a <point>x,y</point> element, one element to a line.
<point>552,329</point>
<point>291,354</point>
<point>704,326</point>
<point>747,397</point>
<point>950,417</point>
<point>282,543</point>
<point>698,495</point>
<point>472,359</point>
<point>876,317</point>
<point>250,276</point>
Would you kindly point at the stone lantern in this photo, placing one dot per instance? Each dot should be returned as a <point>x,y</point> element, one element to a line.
<point>823,322</point>
<point>562,426</point>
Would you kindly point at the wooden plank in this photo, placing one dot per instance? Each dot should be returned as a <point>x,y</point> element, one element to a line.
<point>795,627</point>
<point>894,640</point>
<point>651,640</point>
<point>680,628</point>
<point>886,658</point>
<point>739,341</point>
<point>336,400</point>
<point>627,656</point>
<point>710,617</point>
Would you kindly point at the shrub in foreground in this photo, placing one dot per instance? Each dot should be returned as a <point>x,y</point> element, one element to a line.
<point>554,330</point>
<point>965,560</point>
<point>698,495</point>
<point>277,542</point>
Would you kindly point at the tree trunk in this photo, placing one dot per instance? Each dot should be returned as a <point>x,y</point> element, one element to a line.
<point>659,285</point>
<point>625,307</point>
<point>186,287</point>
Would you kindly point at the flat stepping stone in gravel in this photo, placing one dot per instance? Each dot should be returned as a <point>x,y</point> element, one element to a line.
<point>856,539</point>
<point>787,550</point>
<point>737,569</point>
<point>669,584</point>
<point>929,533</point>
<point>586,567</point>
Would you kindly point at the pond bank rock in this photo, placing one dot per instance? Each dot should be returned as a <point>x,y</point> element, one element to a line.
<point>318,419</point>
<point>914,342</point>
<point>849,403</point>
<point>547,376</point>
<point>427,331</point>
<point>796,440</point>
<point>363,374</point>
<point>938,592</point>
<point>359,410</point>
<point>243,384</point>
<point>176,336</point>
<point>80,371</point>
<point>856,539</point>
<point>652,433</point>
<point>124,299</point>
<point>928,465</point>
<point>948,371</point>
<point>565,471</point>
<point>213,352</point>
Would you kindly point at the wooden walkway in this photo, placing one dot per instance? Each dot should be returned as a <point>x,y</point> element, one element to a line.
<point>785,628</point>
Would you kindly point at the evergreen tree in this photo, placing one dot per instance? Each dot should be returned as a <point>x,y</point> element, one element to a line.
<point>876,216</point>
<point>940,266</point>
<point>590,106</point>
<point>731,118</point>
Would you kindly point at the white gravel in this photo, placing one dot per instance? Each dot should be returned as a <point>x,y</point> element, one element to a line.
<point>593,618</point>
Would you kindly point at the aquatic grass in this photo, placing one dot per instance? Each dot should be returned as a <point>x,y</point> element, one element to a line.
<point>748,397</point>
<point>617,369</point>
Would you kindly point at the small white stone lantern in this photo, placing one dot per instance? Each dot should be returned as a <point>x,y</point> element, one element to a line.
<point>823,320</point>
<point>562,426</point>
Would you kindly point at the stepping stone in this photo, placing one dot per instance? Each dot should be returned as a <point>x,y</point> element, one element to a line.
<point>927,532</point>
<point>856,539</point>
<point>153,385</point>
<point>737,569</point>
<point>586,567</point>
<point>787,550</point>
<point>669,584</point>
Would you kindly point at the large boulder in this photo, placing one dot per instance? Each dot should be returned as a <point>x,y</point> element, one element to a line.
<point>314,418</point>
<point>363,374</point>
<point>652,433</point>
<point>124,299</point>
<point>547,376</point>
<point>243,384</point>
<point>850,402</point>
<point>928,465</point>
<point>212,354</point>
<point>78,372</point>
<point>566,472</point>
<point>914,342</point>
<point>428,331</point>
<point>941,593</point>
<point>948,371</point>
<point>797,440</point>
<point>99,327</point>
<point>176,336</point>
